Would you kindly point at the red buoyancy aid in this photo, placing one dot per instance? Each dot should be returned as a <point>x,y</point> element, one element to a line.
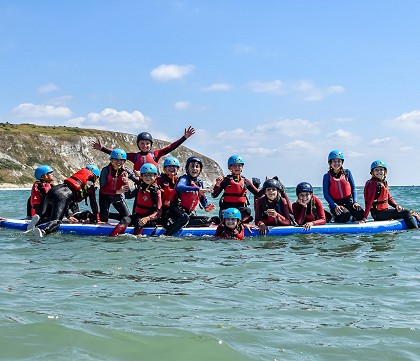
<point>189,200</point>
<point>146,201</point>
<point>113,183</point>
<point>235,192</point>
<point>36,194</point>
<point>143,159</point>
<point>340,188</point>
<point>168,194</point>
<point>78,183</point>
<point>382,195</point>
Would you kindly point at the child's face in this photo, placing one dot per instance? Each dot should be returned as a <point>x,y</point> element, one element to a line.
<point>379,172</point>
<point>271,193</point>
<point>144,145</point>
<point>304,197</point>
<point>231,222</point>
<point>336,164</point>
<point>236,169</point>
<point>171,170</point>
<point>194,169</point>
<point>148,178</point>
<point>117,163</point>
<point>49,177</point>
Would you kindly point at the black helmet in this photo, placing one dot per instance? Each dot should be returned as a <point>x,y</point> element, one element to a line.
<point>273,183</point>
<point>144,136</point>
<point>193,159</point>
<point>303,187</point>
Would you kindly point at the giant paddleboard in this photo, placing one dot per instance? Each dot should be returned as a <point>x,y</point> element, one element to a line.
<point>330,228</point>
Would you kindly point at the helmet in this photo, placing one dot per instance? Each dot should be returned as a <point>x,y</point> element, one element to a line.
<point>144,136</point>
<point>148,168</point>
<point>378,163</point>
<point>235,159</point>
<point>42,170</point>
<point>232,213</point>
<point>118,153</point>
<point>193,159</point>
<point>171,161</point>
<point>273,183</point>
<point>94,169</point>
<point>303,187</point>
<point>336,154</point>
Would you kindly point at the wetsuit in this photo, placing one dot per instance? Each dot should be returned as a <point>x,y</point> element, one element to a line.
<point>223,231</point>
<point>36,201</point>
<point>280,206</point>
<point>314,212</point>
<point>340,190</point>
<point>167,185</point>
<point>377,199</point>
<point>140,158</point>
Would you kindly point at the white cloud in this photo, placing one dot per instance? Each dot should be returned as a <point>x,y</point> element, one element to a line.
<point>274,86</point>
<point>289,127</point>
<point>381,141</point>
<point>299,145</point>
<point>310,93</point>
<point>112,119</point>
<point>182,105</point>
<point>29,110</point>
<point>220,87</point>
<point>233,134</point>
<point>406,149</point>
<point>407,121</point>
<point>47,88</point>
<point>169,72</point>
<point>243,49</point>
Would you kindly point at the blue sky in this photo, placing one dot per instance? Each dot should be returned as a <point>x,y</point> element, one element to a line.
<point>281,83</point>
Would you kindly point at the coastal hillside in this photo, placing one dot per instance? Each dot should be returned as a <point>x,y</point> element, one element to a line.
<point>23,147</point>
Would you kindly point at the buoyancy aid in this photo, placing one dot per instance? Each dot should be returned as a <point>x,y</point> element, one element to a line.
<point>381,197</point>
<point>225,232</point>
<point>189,200</point>
<point>235,192</point>
<point>141,159</point>
<point>39,189</point>
<point>114,183</point>
<point>269,220</point>
<point>339,188</point>
<point>78,183</point>
<point>146,201</point>
<point>167,185</point>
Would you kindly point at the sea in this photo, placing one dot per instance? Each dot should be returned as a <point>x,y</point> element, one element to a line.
<point>304,297</point>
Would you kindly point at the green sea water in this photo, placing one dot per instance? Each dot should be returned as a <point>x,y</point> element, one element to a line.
<point>314,297</point>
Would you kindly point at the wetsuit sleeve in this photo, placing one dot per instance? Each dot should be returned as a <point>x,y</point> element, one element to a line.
<point>289,204</point>
<point>258,211</point>
<point>132,193</point>
<point>284,217</point>
<point>326,191</point>
<point>299,212</point>
<point>159,153</point>
<point>158,212</point>
<point>131,175</point>
<point>251,187</point>
<point>391,201</point>
<point>320,213</point>
<point>219,230</point>
<point>352,185</point>
<point>92,201</point>
<point>218,189</point>
<point>183,187</point>
<point>370,193</point>
<point>103,178</point>
<point>240,233</point>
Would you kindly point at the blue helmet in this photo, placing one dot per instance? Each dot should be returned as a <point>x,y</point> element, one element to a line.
<point>378,163</point>
<point>42,170</point>
<point>94,169</point>
<point>171,161</point>
<point>235,159</point>
<point>303,187</point>
<point>148,168</point>
<point>118,153</point>
<point>232,213</point>
<point>336,154</point>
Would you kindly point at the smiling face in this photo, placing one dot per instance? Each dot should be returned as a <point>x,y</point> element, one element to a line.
<point>231,222</point>
<point>148,178</point>
<point>236,169</point>
<point>117,163</point>
<point>336,164</point>
<point>194,169</point>
<point>271,193</point>
<point>171,170</point>
<point>379,172</point>
<point>145,145</point>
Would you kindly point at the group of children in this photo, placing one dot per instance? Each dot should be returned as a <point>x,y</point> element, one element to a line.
<point>169,200</point>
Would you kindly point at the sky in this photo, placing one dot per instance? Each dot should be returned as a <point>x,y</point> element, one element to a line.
<point>279,82</point>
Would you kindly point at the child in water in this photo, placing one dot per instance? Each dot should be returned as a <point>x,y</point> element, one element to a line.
<point>44,181</point>
<point>308,209</point>
<point>377,198</point>
<point>231,226</point>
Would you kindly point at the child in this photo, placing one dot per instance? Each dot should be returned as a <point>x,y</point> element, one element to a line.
<point>147,204</point>
<point>340,191</point>
<point>113,183</point>
<point>271,209</point>
<point>308,210</point>
<point>44,181</point>
<point>231,226</point>
<point>76,188</point>
<point>235,188</point>
<point>377,198</point>
<point>167,182</point>
<point>189,193</point>
<point>145,143</point>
